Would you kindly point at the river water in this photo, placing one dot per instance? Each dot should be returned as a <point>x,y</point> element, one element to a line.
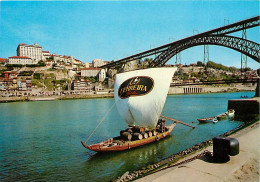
<point>40,141</point>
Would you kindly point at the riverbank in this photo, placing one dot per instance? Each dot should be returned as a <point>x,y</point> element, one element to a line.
<point>211,89</point>
<point>109,94</point>
<point>56,97</point>
<point>242,167</point>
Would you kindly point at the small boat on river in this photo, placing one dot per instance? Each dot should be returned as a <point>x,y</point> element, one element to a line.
<point>230,113</point>
<point>221,116</point>
<point>140,97</point>
<point>207,120</point>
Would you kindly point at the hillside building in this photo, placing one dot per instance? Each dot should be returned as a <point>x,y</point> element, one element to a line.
<point>46,55</point>
<point>98,62</point>
<point>23,60</point>
<point>2,60</point>
<point>32,51</point>
<point>94,72</point>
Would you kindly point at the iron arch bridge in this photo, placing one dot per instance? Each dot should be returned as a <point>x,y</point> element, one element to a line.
<point>247,47</point>
<point>216,36</point>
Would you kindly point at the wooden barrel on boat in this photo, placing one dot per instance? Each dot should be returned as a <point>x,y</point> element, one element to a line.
<point>126,136</point>
<point>138,129</point>
<point>149,133</point>
<point>137,136</point>
<point>154,133</point>
<point>129,130</point>
<point>146,129</point>
<point>122,131</point>
<point>145,135</point>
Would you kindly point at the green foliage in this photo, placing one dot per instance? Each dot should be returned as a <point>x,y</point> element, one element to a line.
<point>246,69</point>
<point>1,71</point>
<point>199,63</point>
<point>37,83</point>
<point>49,83</point>
<point>14,65</point>
<point>211,78</point>
<point>51,69</point>
<point>217,66</point>
<point>197,75</point>
<point>63,83</point>
<point>50,75</point>
<point>37,76</point>
<point>183,76</point>
<point>41,63</point>
<point>92,79</point>
<point>232,69</point>
<point>25,73</point>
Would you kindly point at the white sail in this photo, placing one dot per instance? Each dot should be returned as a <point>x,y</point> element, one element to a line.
<point>140,95</point>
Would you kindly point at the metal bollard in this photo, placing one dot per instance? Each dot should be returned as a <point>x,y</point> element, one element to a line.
<point>223,147</point>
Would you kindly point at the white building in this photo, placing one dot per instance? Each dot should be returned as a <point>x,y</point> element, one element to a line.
<point>102,75</point>
<point>98,62</point>
<point>46,55</point>
<point>87,65</point>
<point>20,60</point>
<point>88,72</point>
<point>81,85</point>
<point>32,51</point>
<point>95,72</point>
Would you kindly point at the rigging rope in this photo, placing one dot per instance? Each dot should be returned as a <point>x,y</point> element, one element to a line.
<point>100,122</point>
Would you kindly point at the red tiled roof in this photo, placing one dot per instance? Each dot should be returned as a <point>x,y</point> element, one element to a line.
<point>2,60</point>
<point>23,57</point>
<point>10,72</point>
<point>46,51</point>
<point>7,79</point>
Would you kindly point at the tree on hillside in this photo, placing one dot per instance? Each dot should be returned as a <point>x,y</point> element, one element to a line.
<point>199,63</point>
<point>217,66</point>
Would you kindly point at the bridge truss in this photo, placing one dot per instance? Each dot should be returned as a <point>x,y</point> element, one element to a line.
<point>216,36</point>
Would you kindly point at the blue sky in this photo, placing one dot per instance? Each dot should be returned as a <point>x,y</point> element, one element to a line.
<point>111,30</point>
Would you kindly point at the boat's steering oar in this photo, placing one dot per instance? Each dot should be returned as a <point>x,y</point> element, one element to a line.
<point>176,121</point>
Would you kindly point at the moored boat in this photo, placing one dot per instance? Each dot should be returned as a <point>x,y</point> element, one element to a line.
<point>221,116</point>
<point>230,113</point>
<point>206,120</point>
